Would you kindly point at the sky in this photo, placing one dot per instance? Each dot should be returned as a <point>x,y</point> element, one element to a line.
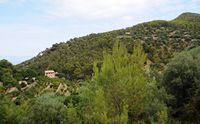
<point>28,27</point>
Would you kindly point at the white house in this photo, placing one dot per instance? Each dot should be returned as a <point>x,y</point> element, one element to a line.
<point>50,73</point>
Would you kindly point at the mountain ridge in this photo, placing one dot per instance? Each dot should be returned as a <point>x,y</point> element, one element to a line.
<point>189,17</point>
<point>161,40</point>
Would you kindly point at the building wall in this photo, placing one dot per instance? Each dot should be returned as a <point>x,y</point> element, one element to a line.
<point>50,74</point>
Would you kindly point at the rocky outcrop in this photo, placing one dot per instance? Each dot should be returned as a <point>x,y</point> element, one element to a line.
<point>63,89</point>
<point>28,87</point>
<point>23,83</point>
<point>12,89</point>
<point>25,86</point>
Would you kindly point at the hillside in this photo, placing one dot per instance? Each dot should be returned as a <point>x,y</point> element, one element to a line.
<point>148,73</point>
<point>161,41</point>
<point>189,17</point>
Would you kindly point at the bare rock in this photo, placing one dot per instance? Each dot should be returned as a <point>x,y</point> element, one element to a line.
<point>12,89</point>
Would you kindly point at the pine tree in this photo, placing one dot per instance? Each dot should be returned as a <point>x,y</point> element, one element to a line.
<point>123,88</point>
<point>72,115</point>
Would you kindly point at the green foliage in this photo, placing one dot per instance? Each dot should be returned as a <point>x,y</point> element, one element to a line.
<point>162,117</point>
<point>182,80</point>
<point>47,109</point>
<point>10,113</point>
<point>22,73</point>
<point>121,91</point>
<point>93,106</point>
<point>2,88</point>
<point>8,79</point>
<point>6,64</point>
<point>189,17</point>
<point>29,73</point>
<point>6,73</point>
<point>45,80</point>
<point>72,115</point>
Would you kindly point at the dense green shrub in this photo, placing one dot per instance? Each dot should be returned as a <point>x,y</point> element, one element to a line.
<point>6,74</point>
<point>47,109</point>
<point>182,80</point>
<point>10,113</point>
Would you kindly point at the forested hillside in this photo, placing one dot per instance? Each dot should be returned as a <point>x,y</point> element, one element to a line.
<point>145,74</point>
<point>161,41</point>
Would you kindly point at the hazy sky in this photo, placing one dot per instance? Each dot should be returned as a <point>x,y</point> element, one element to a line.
<point>30,26</point>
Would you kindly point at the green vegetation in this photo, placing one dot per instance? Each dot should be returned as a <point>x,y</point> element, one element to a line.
<point>182,81</point>
<point>6,73</point>
<point>148,73</point>
<point>10,112</point>
<point>161,41</point>
<point>48,108</point>
<point>121,91</point>
<point>189,18</point>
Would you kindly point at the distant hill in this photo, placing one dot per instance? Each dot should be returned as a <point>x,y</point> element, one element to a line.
<point>161,41</point>
<point>189,17</point>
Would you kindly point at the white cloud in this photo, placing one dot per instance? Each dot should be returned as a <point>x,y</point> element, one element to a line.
<point>127,18</point>
<point>26,40</point>
<point>21,1</point>
<point>97,9</point>
<point>195,0</point>
<point>3,1</point>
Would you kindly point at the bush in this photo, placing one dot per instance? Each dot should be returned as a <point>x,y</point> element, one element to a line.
<point>48,108</point>
<point>182,80</point>
<point>10,113</point>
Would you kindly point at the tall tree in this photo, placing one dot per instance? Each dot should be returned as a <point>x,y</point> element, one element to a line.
<point>6,73</point>
<point>127,92</point>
